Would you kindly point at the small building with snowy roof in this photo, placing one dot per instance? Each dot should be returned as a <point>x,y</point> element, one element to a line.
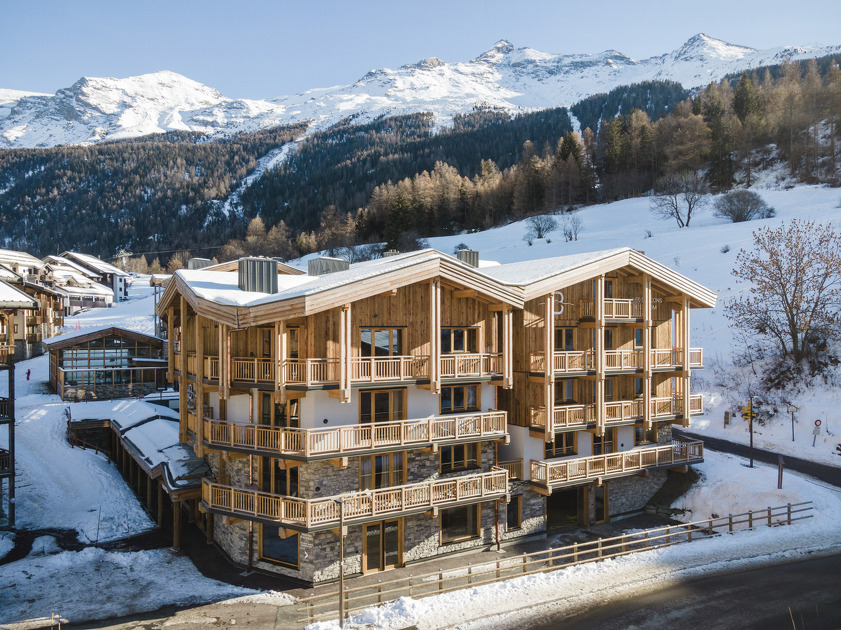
<point>105,363</point>
<point>110,276</point>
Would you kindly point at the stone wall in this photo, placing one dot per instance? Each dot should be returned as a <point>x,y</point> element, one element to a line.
<point>533,515</point>
<point>630,494</point>
<point>107,392</point>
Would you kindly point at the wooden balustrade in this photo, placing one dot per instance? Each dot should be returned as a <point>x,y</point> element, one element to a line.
<point>514,468</point>
<point>361,506</point>
<point>696,404</point>
<point>312,371</point>
<point>696,357</point>
<point>253,370</point>
<point>192,423</point>
<point>191,363</point>
<point>578,469</point>
<point>354,439</point>
<point>623,410</point>
<point>396,368</point>
<point>563,361</point>
<point>564,416</point>
<point>614,308</point>
<point>471,365</point>
<point>5,462</point>
<point>5,408</point>
<point>623,359</point>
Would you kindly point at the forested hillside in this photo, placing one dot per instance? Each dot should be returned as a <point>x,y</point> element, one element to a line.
<point>397,180</point>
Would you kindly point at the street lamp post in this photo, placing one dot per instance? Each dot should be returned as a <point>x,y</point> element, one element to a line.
<point>341,562</point>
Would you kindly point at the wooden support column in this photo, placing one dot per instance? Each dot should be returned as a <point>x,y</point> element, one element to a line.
<point>599,356</point>
<point>435,336</point>
<point>199,386</point>
<point>280,362</point>
<point>224,384</point>
<point>345,354</point>
<point>647,330</point>
<point>176,525</point>
<point>507,347</point>
<point>149,493</point>
<point>160,514</point>
<point>183,412</point>
<point>686,369</point>
<point>549,365</point>
<point>170,333</point>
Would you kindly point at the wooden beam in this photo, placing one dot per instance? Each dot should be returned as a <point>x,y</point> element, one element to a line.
<point>464,293</point>
<point>199,387</point>
<point>339,462</point>
<point>389,293</point>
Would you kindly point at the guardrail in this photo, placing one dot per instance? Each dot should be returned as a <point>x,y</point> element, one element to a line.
<point>324,606</point>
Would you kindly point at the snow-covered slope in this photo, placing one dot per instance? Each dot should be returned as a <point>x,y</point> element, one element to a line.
<point>513,79</point>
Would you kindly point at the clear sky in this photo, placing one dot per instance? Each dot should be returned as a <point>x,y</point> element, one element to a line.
<point>263,48</point>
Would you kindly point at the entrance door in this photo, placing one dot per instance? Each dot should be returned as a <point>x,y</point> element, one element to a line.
<point>382,546</point>
<point>601,503</point>
<point>563,508</point>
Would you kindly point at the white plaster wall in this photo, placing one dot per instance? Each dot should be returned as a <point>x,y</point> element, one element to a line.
<point>625,438</point>
<point>585,444</point>
<point>238,408</point>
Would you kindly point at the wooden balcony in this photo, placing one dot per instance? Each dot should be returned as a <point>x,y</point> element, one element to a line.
<point>514,468</point>
<point>471,365</point>
<point>359,439</point>
<point>548,475</point>
<point>400,368</point>
<point>359,507</point>
<point>5,408</point>
<point>617,412</point>
<point>672,358</point>
<point>581,361</point>
<point>617,360</point>
<point>563,361</point>
<point>614,308</point>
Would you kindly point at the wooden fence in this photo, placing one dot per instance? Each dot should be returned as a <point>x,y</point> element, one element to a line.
<point>324,606</point>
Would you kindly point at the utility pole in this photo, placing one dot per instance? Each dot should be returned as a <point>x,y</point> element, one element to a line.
<point>751,414</point>
<point>341,562</point>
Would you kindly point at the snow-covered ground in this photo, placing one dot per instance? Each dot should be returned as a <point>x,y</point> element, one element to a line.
<point>64,487</point>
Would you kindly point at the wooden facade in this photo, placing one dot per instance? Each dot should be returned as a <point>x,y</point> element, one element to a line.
<point>419,390</point>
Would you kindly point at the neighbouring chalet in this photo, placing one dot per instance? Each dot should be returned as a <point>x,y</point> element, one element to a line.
<point>105,363</point>
<point>110,276</point>
<point>431,404</point>
<point>16,310</point>
<point>31,327</point>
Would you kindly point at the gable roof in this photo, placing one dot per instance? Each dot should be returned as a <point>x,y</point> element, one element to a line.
<point>68,339</point>
<point>94,263</point>
<point>233,265</point>
<point>12,297</point>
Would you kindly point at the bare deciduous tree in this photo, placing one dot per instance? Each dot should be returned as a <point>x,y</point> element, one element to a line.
<point>793,296</point>
<point>540,225</point>
<point>678,196</point>
<point>742,205</point>
<point>572,225</point>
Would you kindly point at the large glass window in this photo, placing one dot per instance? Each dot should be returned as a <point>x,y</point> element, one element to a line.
<point>604,444</point>
<point>564,339</point>
<point>564,392</point>
<point>459,398</point>
<point>455,340</point>
<point>279,414</point>
<point>562,446</point>
<point>514,513</point>
<point>381,342</point>
<point>459,457</point>
<point>641,436</point>
<point>277,549</point>
<point>460,523</point>
<point>382,471</point>
<point>382,405</point>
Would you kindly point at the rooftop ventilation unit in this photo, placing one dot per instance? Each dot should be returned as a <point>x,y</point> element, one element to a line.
<point>199,263</point>
<point>468,257</point>
<point>257,274</point>
<point>325,264</point>
<point>391,252</point>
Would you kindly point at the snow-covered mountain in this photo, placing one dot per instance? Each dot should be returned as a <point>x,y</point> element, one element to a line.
<point>514,79</point>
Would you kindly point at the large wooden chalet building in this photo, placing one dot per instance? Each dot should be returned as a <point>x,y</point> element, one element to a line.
<point>431,404</point>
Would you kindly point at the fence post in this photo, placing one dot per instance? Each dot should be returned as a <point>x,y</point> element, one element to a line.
<point>346,608</point>
<point>311,608</point>
<point>689,534</point>
<point>710,531</point>
<point>524,565</point>
<point>497,569</point>
<point>769,516</point>
<point>575,552</point>
<point>379,591</point>
<point>623,543</point>
<point>668,535</point>
<point>730,522</point>
<point>469,574</point>
<point>645,543</point>
<point>750,519</point>
<point>440,580</point>
<point>788,507</point>
<point>411,586</point>
<point>600,548</point>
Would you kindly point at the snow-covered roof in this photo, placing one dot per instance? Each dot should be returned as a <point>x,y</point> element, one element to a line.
<point>531,271</point>
<point>92,262</point>
<point>20,258</point>
<point>57,262</point>
<point>7,275</point>
<point>93,332</point>
<point>92,290</point>
<point>11,297</point>
<point>150,433</point>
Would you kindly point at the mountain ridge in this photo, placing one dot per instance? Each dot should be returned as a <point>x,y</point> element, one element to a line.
<point>504,77</point>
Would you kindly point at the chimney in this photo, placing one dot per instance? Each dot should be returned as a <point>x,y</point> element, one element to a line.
<point>325,264</point>
<point>468,257</point>
<point>199,263</point>
<point>257,274</point>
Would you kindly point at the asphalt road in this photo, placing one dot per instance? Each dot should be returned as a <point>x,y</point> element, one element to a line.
<point>828,474</point>
<point>801,595</point>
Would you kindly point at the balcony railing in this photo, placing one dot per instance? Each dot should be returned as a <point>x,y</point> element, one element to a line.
<point>614,308</point>
<point>5,408</point>
<point>471,365</point>
<point>397,368</point>
<point>670,406</point>
<point>514,468</point>
<point>564,416</point>
<point>584,360</point>
<point>623,359</point>
<point>354,439</point>
<point>359,507</point>
<point>672,358</point>
<point>552,474</point>
<point>564,361</point>
<point>5,462</point>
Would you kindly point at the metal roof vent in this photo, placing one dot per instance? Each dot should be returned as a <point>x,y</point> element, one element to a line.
<point>391,252</point>
<point>257,274</point>
<point>468,257</point>
<point>199,263</point>
<point>325,264</point>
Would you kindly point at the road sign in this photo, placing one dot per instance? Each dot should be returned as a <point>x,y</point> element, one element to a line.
<point>747,412</point>
<point>818,422</point>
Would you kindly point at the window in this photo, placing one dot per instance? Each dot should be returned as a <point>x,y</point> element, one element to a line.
<point>564,339</point>
<point>266,343</point>
<point>455,340</point>
<point>608,338</point>
<point>608,289</point>
<point>604,444</point>
<point>641,436</point>
<point>564,392</point>
<point>382,405</point>
<point>514,518</point>
<point>638,386</point>
<point>279,414</point>
<point>292,342</point>
<point>277,549</point>
<point>458,398</point>
<point>459,457</point>
<point>638,337</point>
<point>460,523</point>
<point>562,446</point>
<point>381,342</point>
<point>608,389</point>
<point>382,471</point>
<point>277,479</point>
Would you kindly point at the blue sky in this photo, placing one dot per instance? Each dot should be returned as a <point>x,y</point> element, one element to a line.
<point>260,49</point>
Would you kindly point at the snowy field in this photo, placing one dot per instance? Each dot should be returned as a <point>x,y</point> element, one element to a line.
<point>66,488</point>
